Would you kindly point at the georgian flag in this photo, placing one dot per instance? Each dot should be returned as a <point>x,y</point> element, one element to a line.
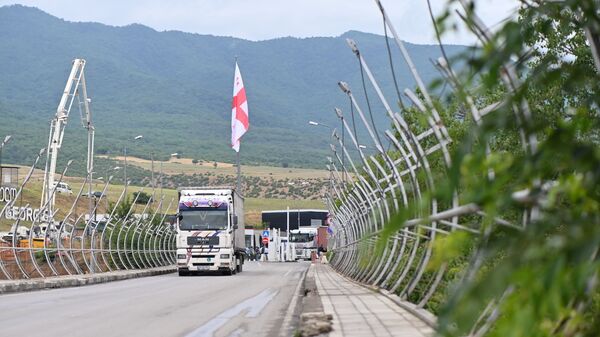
<point>239,111</point>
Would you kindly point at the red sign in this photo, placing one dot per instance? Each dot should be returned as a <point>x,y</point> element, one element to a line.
<point>265,240</point>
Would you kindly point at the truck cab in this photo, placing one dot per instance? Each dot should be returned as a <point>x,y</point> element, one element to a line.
<point>210,234</point>
<point>303,243</point>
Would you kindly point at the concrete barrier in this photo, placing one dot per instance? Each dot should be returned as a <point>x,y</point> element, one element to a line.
<point>14,286</point>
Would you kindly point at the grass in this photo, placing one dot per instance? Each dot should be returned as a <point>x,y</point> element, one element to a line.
<point>185,166</point>
<point>252,206</point>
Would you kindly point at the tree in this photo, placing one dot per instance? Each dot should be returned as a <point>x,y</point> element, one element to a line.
<point>547,271</point>
<point>143,197</point>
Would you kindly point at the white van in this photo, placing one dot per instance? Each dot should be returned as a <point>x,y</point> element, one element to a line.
<point>63,188</point>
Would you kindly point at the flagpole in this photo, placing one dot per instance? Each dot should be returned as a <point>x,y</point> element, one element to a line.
<point>241,121</point>
<point>237,161</point>
<point>239,174</point>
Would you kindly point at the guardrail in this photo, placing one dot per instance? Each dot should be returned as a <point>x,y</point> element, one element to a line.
<point>400,204</point>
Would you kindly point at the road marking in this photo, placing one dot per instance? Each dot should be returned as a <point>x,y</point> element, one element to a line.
<point>253,306</point>
<point>237,333</point>
<point>288,272</point>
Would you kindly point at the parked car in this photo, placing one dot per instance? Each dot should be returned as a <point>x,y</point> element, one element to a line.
<point>22,233</point>
<point>63,188</point>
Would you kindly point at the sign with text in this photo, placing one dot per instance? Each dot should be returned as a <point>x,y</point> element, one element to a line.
<point>7,194</point>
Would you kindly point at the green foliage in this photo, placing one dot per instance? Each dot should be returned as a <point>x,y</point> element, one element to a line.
<point>448,248</point>
<point>542,278</point>
<point>174,88</point>
<point>142,197</point>
<point>122,209</point>
<point>534,268</point>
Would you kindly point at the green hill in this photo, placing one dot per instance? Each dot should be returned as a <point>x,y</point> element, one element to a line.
<point>175,88</point>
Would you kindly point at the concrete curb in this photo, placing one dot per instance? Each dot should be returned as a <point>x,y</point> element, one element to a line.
<point>15,286</point>
<point>289,324</point>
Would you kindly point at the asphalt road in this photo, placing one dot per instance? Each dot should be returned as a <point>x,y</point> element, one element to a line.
<point>253,303</point>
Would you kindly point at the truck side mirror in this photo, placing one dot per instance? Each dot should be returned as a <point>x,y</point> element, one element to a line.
<point>179,217</point>
<point>235,221</point>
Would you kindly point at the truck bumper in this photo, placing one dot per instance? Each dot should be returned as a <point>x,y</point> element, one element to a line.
<point>201,260</point>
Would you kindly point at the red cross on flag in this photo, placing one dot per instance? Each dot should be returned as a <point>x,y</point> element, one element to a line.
<point>239,111</point>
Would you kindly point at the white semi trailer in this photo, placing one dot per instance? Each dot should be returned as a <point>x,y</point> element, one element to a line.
<point>210,230</point>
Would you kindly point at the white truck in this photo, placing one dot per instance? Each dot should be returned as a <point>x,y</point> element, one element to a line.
<point>303,242</point>
<point>210,230</point>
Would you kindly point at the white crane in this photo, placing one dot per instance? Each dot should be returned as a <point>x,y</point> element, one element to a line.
<point>75,88</point>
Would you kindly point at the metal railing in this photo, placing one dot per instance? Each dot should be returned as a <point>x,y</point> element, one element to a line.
<point>400,185</point>
<point>72,245</point>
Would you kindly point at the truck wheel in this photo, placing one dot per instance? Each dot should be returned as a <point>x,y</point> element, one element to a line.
<point>235,268</point>
<point>238,267</point>
<point>183,273</point>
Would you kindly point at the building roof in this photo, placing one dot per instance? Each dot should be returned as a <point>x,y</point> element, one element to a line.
<point>296,210</point>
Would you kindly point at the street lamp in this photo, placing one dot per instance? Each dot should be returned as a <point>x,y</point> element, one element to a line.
<point>327,126</point>
<point>313,123</point>
<point>6,139</point>
<point>138,137</point>
<point>109,177</point>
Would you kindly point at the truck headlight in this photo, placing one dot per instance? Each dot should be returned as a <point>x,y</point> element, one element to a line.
<point>225,256</point>
<point>181,256</point>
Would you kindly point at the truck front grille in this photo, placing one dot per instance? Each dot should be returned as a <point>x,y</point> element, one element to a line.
<point>205,241</point>
<point>200,256</point>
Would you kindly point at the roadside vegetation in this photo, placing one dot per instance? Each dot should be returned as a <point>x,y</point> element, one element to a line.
<point>540,276</point>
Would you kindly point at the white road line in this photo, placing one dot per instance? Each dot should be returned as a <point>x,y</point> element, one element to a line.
<point>287,273</point>
<point>253,305</point>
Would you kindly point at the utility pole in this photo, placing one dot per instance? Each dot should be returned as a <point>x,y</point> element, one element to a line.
<point>125,170</point>
<point>152,176</point>
<point>161,187</point>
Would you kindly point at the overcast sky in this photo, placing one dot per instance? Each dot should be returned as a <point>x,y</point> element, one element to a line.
<point>266,19</point>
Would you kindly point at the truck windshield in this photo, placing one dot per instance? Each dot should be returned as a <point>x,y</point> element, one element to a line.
<point>210,219</point>
<point>301,237</point>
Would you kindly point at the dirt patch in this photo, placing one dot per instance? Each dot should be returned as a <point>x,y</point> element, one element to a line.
<point>313,320</point>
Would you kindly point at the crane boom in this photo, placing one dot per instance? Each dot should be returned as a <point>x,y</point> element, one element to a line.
<point>74,87</point>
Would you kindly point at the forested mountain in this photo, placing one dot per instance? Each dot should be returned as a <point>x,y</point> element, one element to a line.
<point>175,88</point>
